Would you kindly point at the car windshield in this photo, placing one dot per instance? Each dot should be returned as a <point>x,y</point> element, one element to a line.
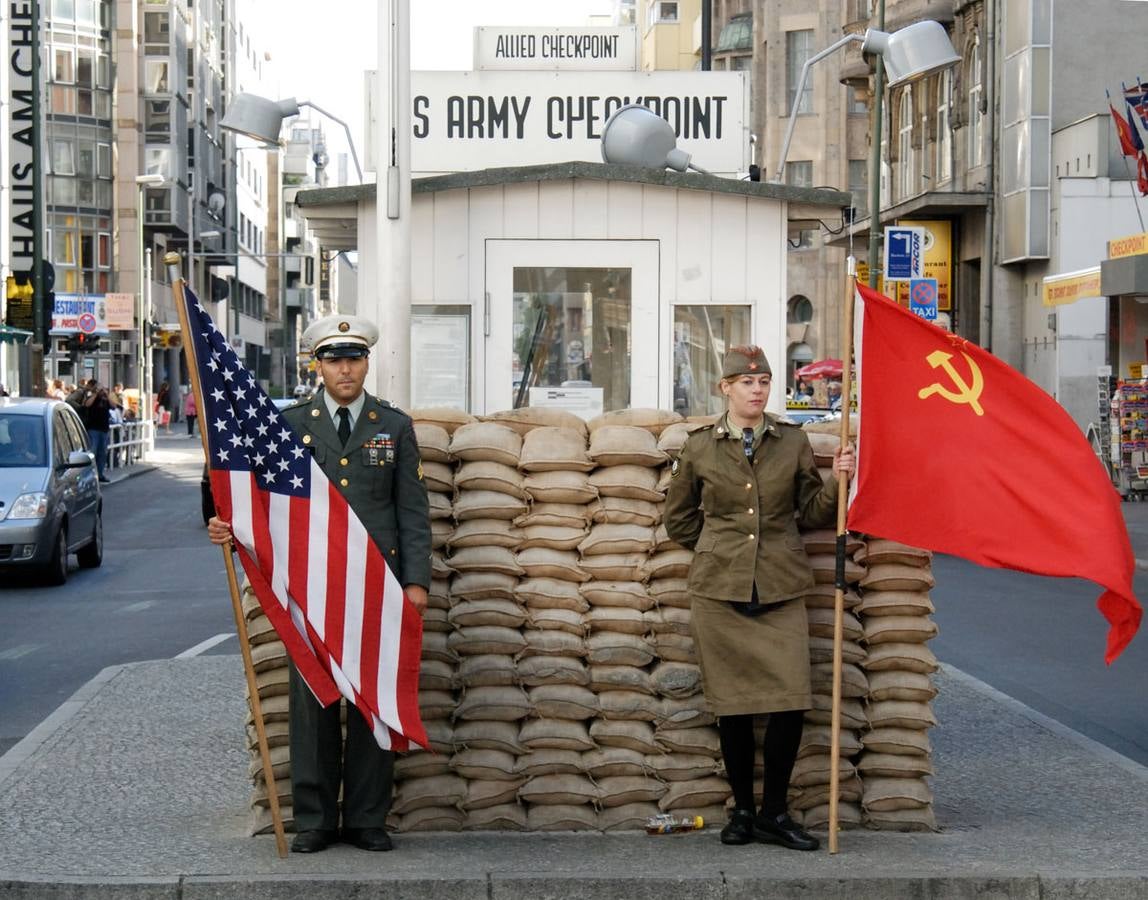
<point>22,441</point>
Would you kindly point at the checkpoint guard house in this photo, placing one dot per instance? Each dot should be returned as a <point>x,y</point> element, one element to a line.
<point>570,283</point>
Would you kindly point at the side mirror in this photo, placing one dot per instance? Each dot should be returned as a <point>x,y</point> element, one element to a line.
<point>79,459</point>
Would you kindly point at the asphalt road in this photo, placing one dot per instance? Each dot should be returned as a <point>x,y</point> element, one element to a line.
<point>1041,641</point>
<point>160,591</point>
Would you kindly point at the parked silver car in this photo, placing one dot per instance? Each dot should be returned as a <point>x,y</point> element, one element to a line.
<point>50,503</point>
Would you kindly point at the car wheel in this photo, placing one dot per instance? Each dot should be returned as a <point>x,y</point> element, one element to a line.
<point>92,554</point>
<point>56,572</point>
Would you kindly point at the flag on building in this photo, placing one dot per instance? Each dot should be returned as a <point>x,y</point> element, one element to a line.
<point>323,583</point>
<point>992,468</point>
<point>1137,98</point>
<point>1130,143</point>
<point>1142,173</point>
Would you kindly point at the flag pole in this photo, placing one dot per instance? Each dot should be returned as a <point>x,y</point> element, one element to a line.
<point>839,593</point>
<point>172,261</point>
<point>1132,182</point>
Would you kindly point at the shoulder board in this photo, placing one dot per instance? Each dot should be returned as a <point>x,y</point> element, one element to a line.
<point>785,420</point>
<point>388,406</point>
<point>298,404</point>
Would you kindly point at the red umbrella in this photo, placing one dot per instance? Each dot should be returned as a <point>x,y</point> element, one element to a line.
<point>824,368</point>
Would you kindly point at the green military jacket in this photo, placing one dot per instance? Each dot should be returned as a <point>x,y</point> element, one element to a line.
<point>380,474</point>
<point>741,520</point>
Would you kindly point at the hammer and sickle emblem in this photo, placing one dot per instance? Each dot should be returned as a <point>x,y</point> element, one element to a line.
<point>965,393</point>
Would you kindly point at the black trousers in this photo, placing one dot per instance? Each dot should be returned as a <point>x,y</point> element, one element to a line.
<point>320,762</point>
<point>738,748</point>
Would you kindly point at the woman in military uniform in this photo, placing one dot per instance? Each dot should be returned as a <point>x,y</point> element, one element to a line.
<point>740,489</point>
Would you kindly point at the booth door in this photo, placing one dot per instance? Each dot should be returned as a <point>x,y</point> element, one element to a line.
<point>571,324</point>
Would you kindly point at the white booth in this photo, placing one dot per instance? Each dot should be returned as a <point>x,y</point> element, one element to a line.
<point>587,286</point>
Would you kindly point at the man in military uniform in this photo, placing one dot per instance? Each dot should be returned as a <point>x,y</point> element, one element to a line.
<point>367,449</point>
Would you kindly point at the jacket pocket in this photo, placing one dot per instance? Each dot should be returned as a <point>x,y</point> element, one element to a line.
<point>707,541</point>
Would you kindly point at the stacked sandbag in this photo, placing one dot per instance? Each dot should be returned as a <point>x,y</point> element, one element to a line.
<point>895,613</point>
<point>269,659</point>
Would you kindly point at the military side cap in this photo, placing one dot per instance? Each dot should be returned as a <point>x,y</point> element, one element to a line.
<point>340,337</point>
<point>745,361</point>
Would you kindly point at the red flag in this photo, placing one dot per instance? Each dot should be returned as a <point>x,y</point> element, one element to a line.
<point>1128,138</point>
<point>320,578</point>
<point>961,454</point>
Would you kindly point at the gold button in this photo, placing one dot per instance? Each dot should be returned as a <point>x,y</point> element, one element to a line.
<point>751,510</point>
<point>392,551</point>
<point>344,482</point>
<point>750,536</point>
<point>315,413</point>
<point>306,439</point>
<point>748,486</point>
<point>343,462</point>
<point>372,415</point>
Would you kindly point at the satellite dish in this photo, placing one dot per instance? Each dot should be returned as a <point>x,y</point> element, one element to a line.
<point>216,201</point>
<point>637,136</point>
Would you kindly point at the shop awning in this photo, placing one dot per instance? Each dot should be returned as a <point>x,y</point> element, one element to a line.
<point>9,335</point>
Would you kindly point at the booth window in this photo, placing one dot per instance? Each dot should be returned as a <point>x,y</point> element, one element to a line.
<point>440,355</point>
<point>702,334</point>
<point>572,330</point>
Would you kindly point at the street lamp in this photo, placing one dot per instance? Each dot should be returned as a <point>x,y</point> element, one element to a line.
<point>637,136</point>
<point>143,360</point>
<point>260,119</point>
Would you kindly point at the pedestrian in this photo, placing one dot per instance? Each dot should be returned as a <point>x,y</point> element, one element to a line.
<point>56,389</point>
<point>738,491</point>
<point>98,420</point>
<point>116,395</point>
<point>367,449</point>
<point>162,410</point>
<point>189,412</point>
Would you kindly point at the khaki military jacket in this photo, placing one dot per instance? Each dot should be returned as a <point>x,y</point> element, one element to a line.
<point>741,519</point>
<point>380,474</point>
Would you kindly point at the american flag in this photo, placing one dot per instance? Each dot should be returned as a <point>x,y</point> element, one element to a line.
<point>320,578</point>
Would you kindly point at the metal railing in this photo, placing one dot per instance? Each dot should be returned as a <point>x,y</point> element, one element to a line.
<point>128,442</point>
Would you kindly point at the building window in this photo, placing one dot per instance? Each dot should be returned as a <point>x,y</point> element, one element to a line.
<point>155,76</point>
<point>736,35</point>
<point>64,70</point>
<point>858,101</point>
<point>906,184</point>
<point>926,159</point>
<point>799,173</point>
<point>798,49</point>
<point>859,184</point>
<point>63,158</point>
<point>157,33</point>
<point>702,334</point>
<point>157,121</point>
<point>944,127</point>
<point>104,160</point>
<point>976,117</point>
<point>800,310</point>
<point>660,12</point>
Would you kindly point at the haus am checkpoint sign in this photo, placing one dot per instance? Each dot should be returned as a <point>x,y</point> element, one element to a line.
<point>904,252</point>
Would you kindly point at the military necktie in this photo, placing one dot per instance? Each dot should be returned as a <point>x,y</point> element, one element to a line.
<point>747,442</point>
<point>344,415</point>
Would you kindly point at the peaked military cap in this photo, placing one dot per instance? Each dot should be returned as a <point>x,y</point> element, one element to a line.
<point>745,361</point>
<point>340,337</point>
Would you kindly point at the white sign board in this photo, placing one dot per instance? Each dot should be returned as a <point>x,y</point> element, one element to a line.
<point>581,49</point>
<point>440,361</point>
<point>585,402</point>
<point>463,121</point>
<point>83,313</point>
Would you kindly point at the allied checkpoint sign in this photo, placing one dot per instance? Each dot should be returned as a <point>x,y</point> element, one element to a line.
<point>536,47</point>
<point>464,121</point>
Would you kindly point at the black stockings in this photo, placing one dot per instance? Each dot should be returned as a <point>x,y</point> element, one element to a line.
<point>782,739</point>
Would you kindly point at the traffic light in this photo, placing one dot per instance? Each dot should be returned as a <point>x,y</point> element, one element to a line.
<point>83,343</point>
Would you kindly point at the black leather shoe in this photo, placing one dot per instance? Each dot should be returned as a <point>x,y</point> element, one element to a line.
<point>312,841</point>
<point>368,838</point>
<point>783,830</point>
<point>739,828</point>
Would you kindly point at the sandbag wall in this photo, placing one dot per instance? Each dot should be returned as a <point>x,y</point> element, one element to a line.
<point>559,686</point>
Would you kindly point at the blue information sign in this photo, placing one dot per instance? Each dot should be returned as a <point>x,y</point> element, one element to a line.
<point>923,297</point>
<point>904,253</point>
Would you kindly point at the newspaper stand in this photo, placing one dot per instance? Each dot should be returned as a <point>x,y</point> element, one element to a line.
<point>1129,446</point>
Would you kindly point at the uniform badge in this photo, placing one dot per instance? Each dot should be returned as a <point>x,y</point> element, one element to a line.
<point>420,471</point>
<point>674,469</point>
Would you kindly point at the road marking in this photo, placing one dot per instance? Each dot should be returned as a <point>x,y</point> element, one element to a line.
<point>19,651</point>
<point>137,607</point>
<point>203,646</point>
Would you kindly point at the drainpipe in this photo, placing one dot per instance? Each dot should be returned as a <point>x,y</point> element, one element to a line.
<point>988,247</point>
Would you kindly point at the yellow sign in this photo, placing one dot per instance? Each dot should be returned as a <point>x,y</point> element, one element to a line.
<point>1061,289</point>
<point>938,260</point>
<point>1133,245</point>
<point>965,393</point>
<point>863,277</point>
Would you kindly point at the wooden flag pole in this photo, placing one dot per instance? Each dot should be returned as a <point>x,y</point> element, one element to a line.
<point>839,594</point>
<point>172,261</point>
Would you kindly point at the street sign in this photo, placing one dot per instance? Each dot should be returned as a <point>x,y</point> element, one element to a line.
<point>923,297</point>
<point>904,253</point>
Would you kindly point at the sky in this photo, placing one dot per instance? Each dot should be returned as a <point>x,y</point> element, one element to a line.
<point>322,57</point>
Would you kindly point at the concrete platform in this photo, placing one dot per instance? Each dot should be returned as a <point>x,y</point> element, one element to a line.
<point>137,788</point>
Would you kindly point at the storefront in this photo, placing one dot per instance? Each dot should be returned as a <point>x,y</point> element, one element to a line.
<point>582,285</point>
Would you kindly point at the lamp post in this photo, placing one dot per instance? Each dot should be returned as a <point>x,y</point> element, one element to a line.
<point>143,361</point>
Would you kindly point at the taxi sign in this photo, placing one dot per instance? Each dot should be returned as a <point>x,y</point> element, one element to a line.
<point>923,298</point>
